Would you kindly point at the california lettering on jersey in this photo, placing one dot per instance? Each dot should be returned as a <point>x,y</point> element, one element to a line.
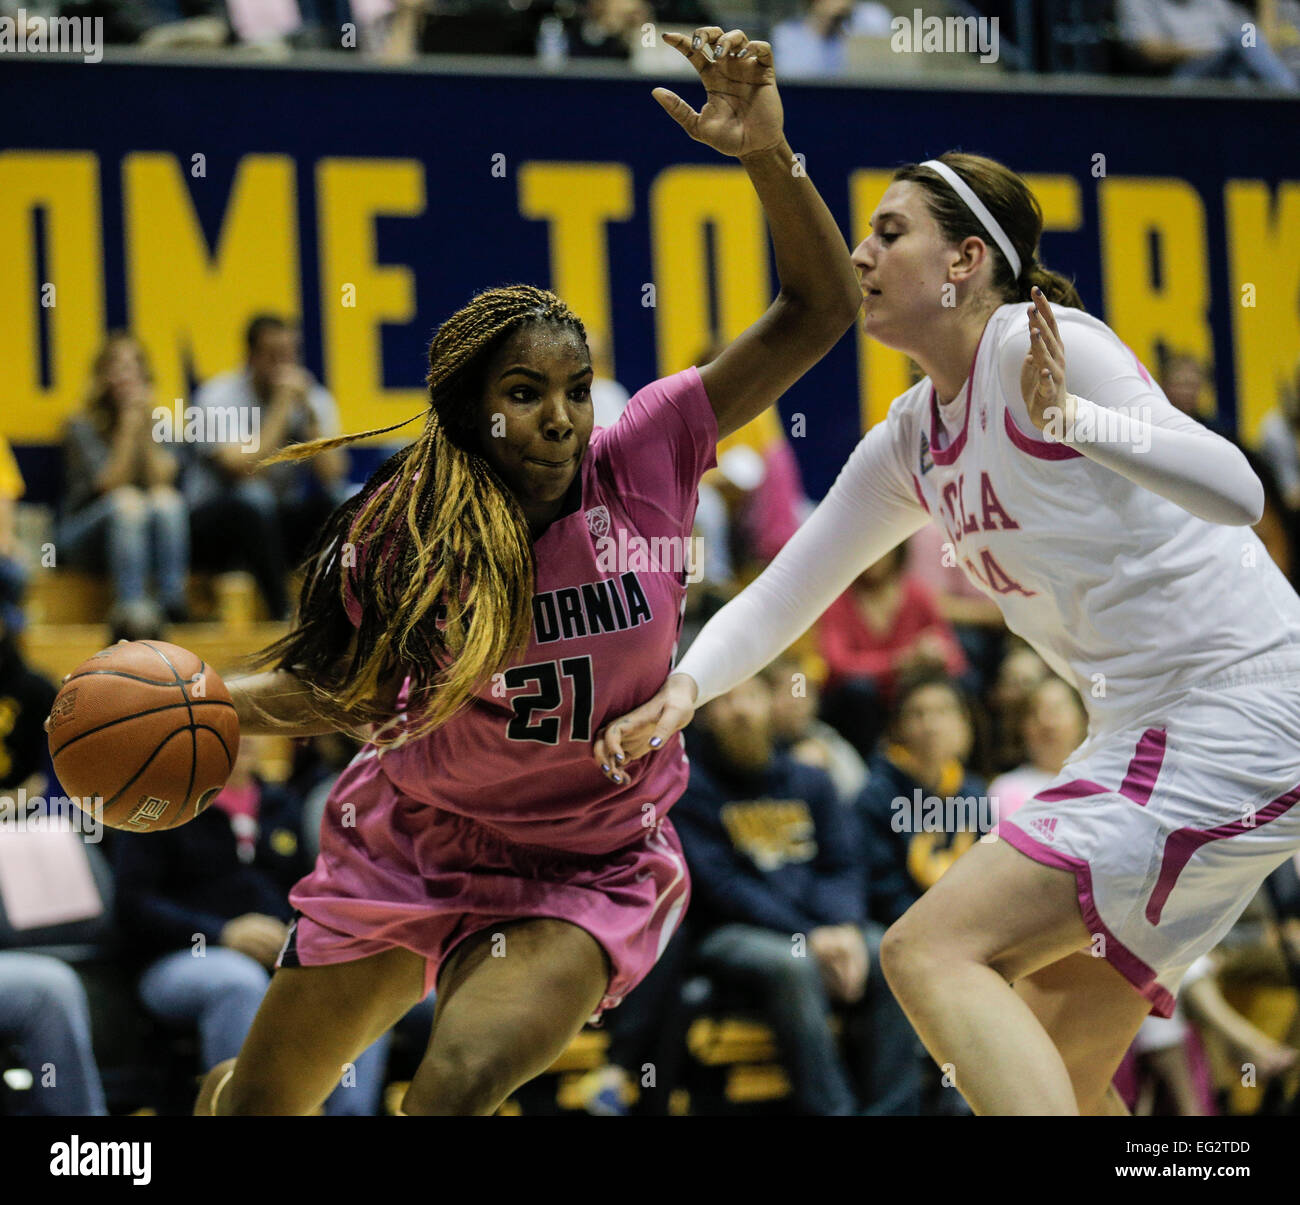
<point>590,609</point>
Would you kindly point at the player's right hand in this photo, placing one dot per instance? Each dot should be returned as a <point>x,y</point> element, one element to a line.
<point>742,113</point>
<point>645,729</point>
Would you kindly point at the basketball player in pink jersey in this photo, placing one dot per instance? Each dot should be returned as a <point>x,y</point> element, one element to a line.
<point>1114,534</point>
<point>470,607</point>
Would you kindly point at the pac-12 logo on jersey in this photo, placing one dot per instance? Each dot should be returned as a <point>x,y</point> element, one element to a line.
<point>927,461</point>
<point>598,521</point>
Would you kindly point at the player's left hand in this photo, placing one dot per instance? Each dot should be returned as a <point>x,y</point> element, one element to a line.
<point>646,728</point>
<point>1042,375</point>
<point>742,113</point>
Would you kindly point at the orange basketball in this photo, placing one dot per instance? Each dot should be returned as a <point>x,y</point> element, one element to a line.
<point>148,728</point>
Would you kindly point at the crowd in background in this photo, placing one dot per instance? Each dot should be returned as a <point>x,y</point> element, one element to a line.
<point>1255,42</point>
<point>909,689</point>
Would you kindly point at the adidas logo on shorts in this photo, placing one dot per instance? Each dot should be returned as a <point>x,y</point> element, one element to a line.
<point>1045,827</point>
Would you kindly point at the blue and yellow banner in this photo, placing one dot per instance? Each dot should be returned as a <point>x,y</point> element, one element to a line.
<point>178,200</point>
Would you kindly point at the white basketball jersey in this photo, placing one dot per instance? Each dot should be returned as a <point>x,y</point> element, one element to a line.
<point>1122,592</point>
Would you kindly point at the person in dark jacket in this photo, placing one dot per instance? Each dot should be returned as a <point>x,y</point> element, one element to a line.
<point>779,892</point>
<point>206,907</point>
<point>921,808</point>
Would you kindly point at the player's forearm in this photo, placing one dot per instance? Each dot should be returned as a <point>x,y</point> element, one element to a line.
<point>279,703</point>
<point>1201,472</point>
<point>859,520</point>
<point>812,259</point>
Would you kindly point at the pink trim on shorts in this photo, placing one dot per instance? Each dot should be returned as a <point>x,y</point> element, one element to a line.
<point>1128,964</point>
<point>1144,768</point>
<point>1037,447</point>
<point>1076,788</point>
<point>1183,843</point>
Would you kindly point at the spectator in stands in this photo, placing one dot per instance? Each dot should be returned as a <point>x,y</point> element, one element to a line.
<point>796,696</point>
<point>814,45</point>
<point>883,625</point>
<point>44,1013</point>
<point>263,520</point>
<point>975,618</point>
<point>13,573</point>
<point>1199,39</point>
<point>25,700</point>
<point>1284,32</point>
<point>778,895</point>
<point>608,398</point>
<point>1054,725</point>
<point>607,29</point>
<point>1278,528</point>
<point>1021,670</point>
<point>207,905</point>
<point>907,843</point>
<point>1182,377</point>
<point>121,510</point>
<point>317,762</point>
<point>750,504</point>
<point>1279,442</point>
<point>1168,1060</point>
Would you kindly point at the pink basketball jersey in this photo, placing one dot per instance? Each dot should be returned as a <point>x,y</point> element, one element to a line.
<point>611,585</point>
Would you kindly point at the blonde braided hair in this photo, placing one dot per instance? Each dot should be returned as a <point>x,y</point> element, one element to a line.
<point>445,532</point>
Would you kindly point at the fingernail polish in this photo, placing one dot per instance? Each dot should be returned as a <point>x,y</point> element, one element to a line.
<point>605,768</point>
<point>695,42</point>
<point>618,778</point>
<point>655,742</point>
<point>621,758</point>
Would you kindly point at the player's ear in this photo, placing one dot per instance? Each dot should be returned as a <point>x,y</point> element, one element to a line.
<point>966,259</point>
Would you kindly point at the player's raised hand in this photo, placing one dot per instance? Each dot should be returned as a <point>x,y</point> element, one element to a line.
<point>646,728</point>
<point>742,112</point>
<point>1042,375</point>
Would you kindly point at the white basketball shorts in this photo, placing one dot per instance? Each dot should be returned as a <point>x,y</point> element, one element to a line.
<point>1171,820</point>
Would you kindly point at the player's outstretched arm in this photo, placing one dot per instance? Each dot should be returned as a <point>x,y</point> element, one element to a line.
<point>820,295</point>
<point>870,509</point>
<point>1173,456</point>
<point>279,703</point>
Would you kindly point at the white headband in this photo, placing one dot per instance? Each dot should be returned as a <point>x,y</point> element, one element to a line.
<point>980,210</point>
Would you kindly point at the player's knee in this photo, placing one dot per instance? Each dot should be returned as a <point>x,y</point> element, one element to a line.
<point>908,953</point>
<point>459,1082</point>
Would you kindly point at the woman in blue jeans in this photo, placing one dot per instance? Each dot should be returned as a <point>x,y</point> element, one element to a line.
<point>121,511</point>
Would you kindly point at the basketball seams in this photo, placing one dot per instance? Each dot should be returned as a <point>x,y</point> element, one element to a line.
<point>118,673</point>
<point>137,714</point>
<point>171,736</point>
<point>194,743</point>
<point>166,768</point>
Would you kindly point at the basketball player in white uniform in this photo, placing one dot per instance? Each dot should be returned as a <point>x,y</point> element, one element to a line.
<point>1114,534</point>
